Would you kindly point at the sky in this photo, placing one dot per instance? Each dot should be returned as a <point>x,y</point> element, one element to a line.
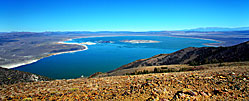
<point>121,15</point>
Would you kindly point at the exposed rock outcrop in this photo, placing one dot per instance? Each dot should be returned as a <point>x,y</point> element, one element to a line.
<point>8,76</point>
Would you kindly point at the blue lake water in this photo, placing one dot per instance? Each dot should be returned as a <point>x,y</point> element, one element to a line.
<point>103,57</point>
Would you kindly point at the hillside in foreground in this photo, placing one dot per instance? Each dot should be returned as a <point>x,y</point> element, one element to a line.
<point>227,81</point>
<point>8,76</point>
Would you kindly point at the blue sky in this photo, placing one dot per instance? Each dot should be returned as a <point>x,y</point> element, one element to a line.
<point>121,15</point>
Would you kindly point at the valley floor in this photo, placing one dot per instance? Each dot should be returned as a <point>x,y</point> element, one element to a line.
<point>229,82</point>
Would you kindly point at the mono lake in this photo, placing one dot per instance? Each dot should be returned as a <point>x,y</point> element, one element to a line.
<point>107,54</point>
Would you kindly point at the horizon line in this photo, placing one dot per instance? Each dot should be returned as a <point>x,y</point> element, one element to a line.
<point>188,29</point>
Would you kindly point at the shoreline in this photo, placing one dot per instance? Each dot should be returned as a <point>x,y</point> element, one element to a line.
<point>206,44</point>
<point>139,41</point>
<point>94,36</point>
<point>15,65</point>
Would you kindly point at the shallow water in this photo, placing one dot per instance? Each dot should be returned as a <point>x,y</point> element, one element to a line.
<point>103,57</point>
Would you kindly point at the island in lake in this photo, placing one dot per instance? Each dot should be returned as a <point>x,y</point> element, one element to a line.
<point>139,41</point>
<point>101,41</point>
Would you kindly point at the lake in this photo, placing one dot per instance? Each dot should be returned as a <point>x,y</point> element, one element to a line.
<point>107,54</point>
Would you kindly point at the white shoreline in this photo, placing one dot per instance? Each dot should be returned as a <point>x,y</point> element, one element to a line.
<point>9,66</point>
<point>14,65</point>
<point>206,44</point>
<point>151,35</point>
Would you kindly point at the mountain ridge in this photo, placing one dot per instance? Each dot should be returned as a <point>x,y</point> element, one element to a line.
<point>193,56</point>
<point>217,29</point>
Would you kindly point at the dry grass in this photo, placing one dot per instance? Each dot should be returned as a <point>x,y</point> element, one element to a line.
<point>228,82</point>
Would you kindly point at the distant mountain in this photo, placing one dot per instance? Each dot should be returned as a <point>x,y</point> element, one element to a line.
<point>8,76</point>
<point>218,29</point>
<point>194,56</point>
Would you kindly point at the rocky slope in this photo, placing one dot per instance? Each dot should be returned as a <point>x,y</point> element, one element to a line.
<point>227,82</point>
<point>8,76</point>
<point>192,56</point>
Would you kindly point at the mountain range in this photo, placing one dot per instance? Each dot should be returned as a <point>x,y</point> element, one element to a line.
<point>217,29</point>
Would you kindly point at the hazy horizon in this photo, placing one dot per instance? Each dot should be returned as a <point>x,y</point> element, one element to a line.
<point>124,30</point>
